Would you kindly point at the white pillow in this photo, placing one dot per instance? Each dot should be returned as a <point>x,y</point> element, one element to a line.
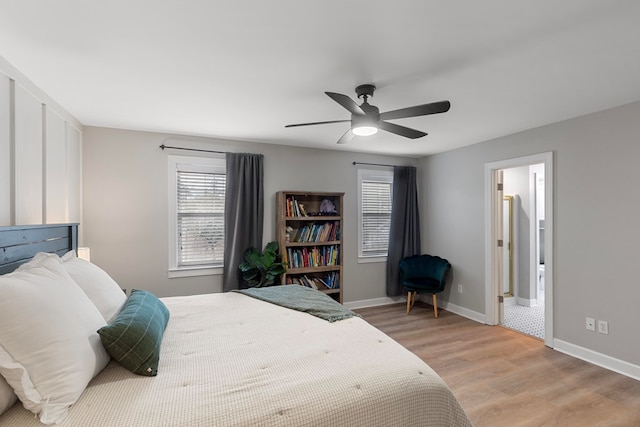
<point>101,289</point>
<point>49,347</point>
<point>36,260</point>
<point>7,396</point>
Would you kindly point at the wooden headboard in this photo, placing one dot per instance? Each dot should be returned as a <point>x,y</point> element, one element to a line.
<point>19,243</point>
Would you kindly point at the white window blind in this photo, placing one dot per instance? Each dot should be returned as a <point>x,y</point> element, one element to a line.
<point>199,217</point>
<point>375,220</point>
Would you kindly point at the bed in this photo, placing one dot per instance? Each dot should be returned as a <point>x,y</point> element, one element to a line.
<point>231,359</point>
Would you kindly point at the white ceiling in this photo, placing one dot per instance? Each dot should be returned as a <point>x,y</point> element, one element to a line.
<point>242,69</point>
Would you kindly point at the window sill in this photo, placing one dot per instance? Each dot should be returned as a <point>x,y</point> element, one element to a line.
<point>370,259</point>
<point>175,273</point>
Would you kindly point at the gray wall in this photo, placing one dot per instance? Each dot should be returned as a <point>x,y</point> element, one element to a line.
<point>597,236</point>
<point>125,205</point>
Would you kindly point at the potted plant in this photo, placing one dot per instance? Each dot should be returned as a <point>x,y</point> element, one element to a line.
<point>262,268</point>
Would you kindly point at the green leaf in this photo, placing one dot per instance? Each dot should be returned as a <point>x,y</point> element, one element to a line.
<point>269,258</point>
<point>271,247</point>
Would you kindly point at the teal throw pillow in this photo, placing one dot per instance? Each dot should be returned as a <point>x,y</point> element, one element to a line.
<point>133,338</point>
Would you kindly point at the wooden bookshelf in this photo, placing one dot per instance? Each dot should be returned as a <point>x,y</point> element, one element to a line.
<point>312,248</point>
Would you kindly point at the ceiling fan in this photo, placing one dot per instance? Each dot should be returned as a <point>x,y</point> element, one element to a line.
<point>366,119</point>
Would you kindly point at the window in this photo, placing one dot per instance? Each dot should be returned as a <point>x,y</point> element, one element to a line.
<point>196,206</point>
<point>374,206</point>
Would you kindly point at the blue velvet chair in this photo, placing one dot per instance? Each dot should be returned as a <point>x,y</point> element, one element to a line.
<point>423,273</point>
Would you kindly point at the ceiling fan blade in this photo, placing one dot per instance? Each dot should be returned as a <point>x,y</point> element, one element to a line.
<point>401,130</point>
<point>418,110</point>
<point>347,137</point>
<point>316,123</point>
<point>346,102</point>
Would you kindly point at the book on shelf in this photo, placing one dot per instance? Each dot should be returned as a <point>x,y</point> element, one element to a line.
<point>309,282</point>
<point>313,257</point>
<point>332,280</point>
<point>294,208</point>
<point>327,282</point>
<point>326,232</point>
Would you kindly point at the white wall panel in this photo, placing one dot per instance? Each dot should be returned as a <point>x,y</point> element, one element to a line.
<point>40,154</point>
<point>6,203</point>
<point>28,158</point>
<point>74,174</point>
<point>55,185</point>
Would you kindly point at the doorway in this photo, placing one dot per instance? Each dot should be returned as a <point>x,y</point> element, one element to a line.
<point>523,258</point>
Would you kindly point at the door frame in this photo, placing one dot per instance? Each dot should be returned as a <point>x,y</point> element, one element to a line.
<point>534,234</point>
<point>491,261</point>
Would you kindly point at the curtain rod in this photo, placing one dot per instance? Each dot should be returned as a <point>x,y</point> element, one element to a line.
<point>192,149</point>
<point>372,164</point>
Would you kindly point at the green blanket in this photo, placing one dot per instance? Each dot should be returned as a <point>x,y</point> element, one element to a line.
<point>304,299</point>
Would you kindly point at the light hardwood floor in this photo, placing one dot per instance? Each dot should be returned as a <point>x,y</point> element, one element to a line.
<point>503,378</point>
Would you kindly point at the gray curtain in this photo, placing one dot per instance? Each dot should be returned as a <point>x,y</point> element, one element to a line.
<point>244,212</point>
<point>404,231</point>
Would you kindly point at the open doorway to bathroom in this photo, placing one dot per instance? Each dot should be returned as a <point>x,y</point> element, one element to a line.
<point>531,258</point>
<point>523,249</point>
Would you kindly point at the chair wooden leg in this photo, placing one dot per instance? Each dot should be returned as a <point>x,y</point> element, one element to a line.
<point>411,300</point>
<point>435,306</point>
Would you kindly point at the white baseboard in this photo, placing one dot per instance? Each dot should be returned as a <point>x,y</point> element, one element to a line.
<point>527,302</point>
<point>611,363</point>
<point>460,311</point>
<point>374,302</point>
<point>464,312</point>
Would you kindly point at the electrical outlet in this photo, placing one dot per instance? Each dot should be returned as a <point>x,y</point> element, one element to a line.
<point>459,288</point>
<point>591,324</point>
<point>603,327</point>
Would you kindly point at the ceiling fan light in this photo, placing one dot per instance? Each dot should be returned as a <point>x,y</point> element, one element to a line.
<point>364,130</point>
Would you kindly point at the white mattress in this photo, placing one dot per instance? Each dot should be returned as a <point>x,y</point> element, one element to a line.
<point>232,360</point>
